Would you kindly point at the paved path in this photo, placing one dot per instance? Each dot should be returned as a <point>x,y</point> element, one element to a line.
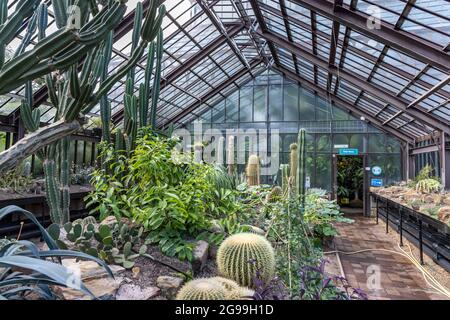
<point>398,278</point>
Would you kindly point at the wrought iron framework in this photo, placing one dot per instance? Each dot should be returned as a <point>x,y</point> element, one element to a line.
<point>388,61</point>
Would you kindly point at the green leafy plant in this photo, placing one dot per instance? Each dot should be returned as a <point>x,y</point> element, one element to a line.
<point>170,195</point>
<point>27,269</point>
<point>428,186</point>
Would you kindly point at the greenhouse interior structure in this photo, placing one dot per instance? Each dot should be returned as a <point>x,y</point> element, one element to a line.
<point>224,150</point>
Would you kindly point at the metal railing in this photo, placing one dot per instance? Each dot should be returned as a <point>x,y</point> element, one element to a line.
<point>429,235</point>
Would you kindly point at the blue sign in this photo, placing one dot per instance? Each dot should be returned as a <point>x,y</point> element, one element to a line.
<point>376,171</point>
<point>376,182</point>
<point>348,152</point>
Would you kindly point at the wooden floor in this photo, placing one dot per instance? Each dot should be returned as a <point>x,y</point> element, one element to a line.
<point>382,275</point>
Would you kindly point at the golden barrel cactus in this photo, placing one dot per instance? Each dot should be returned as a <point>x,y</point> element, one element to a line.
<point>241,255</point>
<point>202,289</point>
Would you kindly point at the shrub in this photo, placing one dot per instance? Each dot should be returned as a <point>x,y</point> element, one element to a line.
<point>165,191</point>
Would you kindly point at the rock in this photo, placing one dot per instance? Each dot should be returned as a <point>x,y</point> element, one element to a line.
<point>136,272</point>
<point>169,285</point>
<point>429,199</point>
<point>109,221</point>
<point>94,277</point>
<point>213,251</point>
<point>446,200</point>
<point>257,230</point>
<point>444,214</point>
<point>200,256</point>
<point>90,269</point>
<point>98,286</point>
<point>135,292</point>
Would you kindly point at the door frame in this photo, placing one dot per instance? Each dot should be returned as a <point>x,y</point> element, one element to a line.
<point>366,170</point>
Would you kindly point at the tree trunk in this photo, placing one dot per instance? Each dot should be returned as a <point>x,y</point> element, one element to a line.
<point>34,141</point>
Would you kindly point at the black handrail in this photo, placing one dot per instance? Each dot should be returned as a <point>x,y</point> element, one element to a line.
<point>429,235</point>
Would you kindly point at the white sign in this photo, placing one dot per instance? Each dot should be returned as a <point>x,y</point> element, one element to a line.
<point>308,182</point>
<point>341,146</point>
<point>376,170</point>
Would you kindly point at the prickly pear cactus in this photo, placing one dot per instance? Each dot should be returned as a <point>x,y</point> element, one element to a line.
<point>118,244</point>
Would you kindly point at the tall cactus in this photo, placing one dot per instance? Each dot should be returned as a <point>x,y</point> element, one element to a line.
<point>293,158</point>
<point>301,170</point>
<point>81,83</point>
<point>253,170</point>
<point>79,56</point>
<point>136,108</point>
<point>284,168</point>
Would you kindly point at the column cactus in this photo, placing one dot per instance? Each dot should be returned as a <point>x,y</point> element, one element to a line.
<point>253,170</point>
<point>230,156</point>
<point>301,169</point>
<point>293,158</point>
<point>78,54</point>
<point>136,108</point>
<point>284,168</point>
<point>81,57</point>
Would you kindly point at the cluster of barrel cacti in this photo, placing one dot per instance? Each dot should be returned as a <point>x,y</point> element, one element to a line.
<point>114,244</point>
<point>80,52</point>
<point>253,170</point>
<point>216,288</point>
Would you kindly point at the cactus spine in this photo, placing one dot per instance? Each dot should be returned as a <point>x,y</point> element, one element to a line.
<point>202,289</point>
<point>241,255</point>
<point>253,170</point>
<point>301,170</point>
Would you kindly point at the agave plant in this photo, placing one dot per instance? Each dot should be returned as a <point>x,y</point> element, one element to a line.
<point>26,269</point>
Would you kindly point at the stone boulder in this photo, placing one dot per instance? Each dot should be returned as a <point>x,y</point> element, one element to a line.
<point>200,256</point>
<point>135,292</point>
<point>169,285</point>
<point>94,277</point>
<point>444,214</point>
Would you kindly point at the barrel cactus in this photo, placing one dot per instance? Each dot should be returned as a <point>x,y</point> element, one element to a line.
<point>253,170</point>
<point>228,284</point>
<point>202,289</point>
<point>241,293</point>
<point>240,256</point>
<point>275,194</point>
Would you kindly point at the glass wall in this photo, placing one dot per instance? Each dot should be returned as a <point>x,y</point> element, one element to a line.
<point>273,102</point>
